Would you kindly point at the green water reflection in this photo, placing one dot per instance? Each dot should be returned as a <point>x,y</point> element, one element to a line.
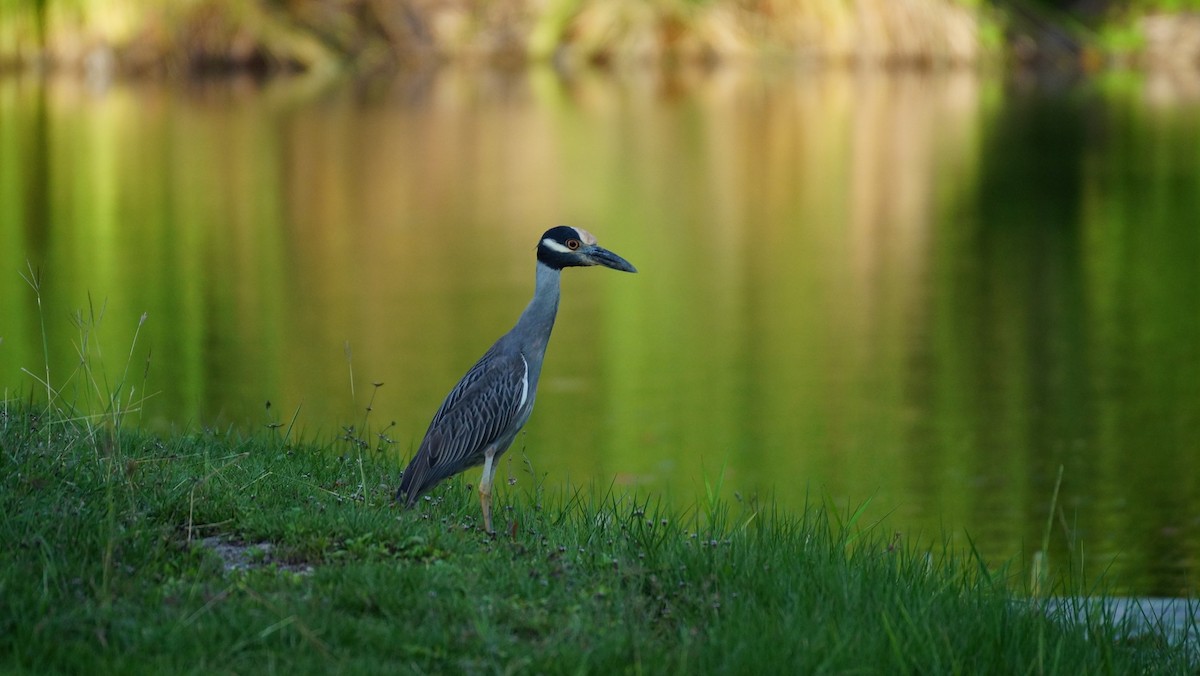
<point>926,291</point>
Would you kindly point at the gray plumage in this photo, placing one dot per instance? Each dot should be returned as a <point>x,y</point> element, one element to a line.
<point>487,408</point>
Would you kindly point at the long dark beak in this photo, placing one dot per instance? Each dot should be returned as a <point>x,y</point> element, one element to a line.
<point>601,256</point>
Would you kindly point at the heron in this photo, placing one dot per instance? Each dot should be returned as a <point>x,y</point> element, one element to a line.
<point>491,403</point>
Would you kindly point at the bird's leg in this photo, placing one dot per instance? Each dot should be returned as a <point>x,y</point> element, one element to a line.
<point>485,491</point>
<point>491,481</point>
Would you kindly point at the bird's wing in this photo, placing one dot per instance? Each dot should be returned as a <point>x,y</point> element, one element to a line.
<point>480,409</point>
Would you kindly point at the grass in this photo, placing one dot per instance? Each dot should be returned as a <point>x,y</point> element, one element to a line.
<point>111,564</point>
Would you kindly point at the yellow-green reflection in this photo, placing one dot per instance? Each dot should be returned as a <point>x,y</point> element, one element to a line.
<point>928,291</point>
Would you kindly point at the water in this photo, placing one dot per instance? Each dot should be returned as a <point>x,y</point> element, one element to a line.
<point>926,293</point>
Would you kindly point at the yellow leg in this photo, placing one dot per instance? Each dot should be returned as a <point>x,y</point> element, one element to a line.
<point>485,492</point>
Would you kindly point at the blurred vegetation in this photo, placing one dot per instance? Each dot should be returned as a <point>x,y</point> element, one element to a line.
<point>193,36</point>
<point>1096,33</point>
<point>207,35</point>
<point>204,36</point>
<point>1167,5</point>
<point>1154,32</point>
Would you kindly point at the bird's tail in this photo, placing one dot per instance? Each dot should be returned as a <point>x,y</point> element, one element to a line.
<point>405,494</point>
<point>410,486</point>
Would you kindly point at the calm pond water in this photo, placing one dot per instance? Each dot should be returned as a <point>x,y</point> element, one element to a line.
<point>926,292</point>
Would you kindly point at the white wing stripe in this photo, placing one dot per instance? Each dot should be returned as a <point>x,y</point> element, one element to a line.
<point>524,384</point>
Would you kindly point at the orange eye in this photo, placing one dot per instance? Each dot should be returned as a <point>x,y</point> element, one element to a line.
<point>572,244</point>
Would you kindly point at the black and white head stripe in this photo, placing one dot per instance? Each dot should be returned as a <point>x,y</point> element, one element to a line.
<point>564,247</point>
<point>559,246</point>
<point>565,239</point>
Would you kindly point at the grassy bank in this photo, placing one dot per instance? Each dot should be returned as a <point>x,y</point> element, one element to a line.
<point>213,551</point>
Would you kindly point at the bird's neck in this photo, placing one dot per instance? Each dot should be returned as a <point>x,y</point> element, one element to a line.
<point>537,320</point>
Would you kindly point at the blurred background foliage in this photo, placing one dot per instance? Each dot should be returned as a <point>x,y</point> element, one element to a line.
<point>190,36</point>
<point>920,278</point>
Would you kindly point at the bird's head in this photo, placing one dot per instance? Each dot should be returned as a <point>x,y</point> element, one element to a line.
<point>564,247</point>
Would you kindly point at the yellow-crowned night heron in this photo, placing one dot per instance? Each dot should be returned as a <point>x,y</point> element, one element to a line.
<point>483,413</point>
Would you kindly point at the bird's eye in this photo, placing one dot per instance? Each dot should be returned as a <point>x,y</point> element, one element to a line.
<point>572,244</point>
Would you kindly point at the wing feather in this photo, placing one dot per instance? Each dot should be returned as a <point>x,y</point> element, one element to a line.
<point>481,410</point>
